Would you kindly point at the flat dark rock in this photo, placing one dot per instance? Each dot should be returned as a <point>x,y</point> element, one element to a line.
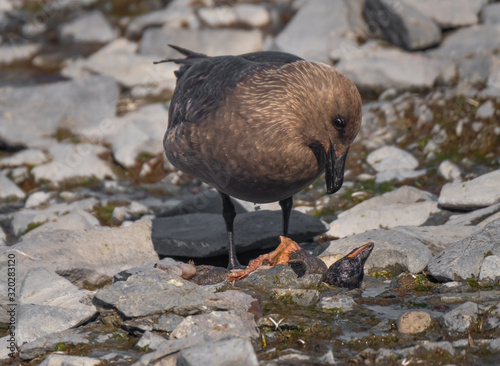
<point>204,235</point>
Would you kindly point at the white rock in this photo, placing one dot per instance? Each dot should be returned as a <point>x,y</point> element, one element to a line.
<point>219,16</point>
<point>19,174</point>
<point>48,303</point>
<point>36,199</point>
<point>9,189</point>
<point>213,42</point>
<point>3,239</point>
<point>74,220</point>
<point>490,268</point>
<point>314,40</point>
<point>7,347</point>
<point>391,157</point>
<point>81,105</point>
<point>490,14</point>
<point>119,60</point>
<point>25,157</point>
<point>375,68</point>
<point>65,360</point>
<point>17,53</point>
<point>252,14</point>
<point>173,16</point>
<point>73,161</point>
<point>403,195</point>
<point>449,170</point>
<point>398,175</point>
<point>137,132</point>
<point>22,218</point>
<point>389,216</point>
<point>151,340</point>
<point>89,27</point>
<point>449,13</point>
<point>96,254</point>
<point>472,217</point>
<point>438,237</point>
<point>486,110</point>
<point>480,192</point>
<point>467,41</point>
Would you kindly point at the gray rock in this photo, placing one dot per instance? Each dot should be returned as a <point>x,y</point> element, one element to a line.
<point>42,345</point>
<point>119,60</point>
<point>48,303</point>
<point>479,192</point>
<point>315,40</point>
<point>18,53</point>
<point>449,13</point>
<point>3,239</point>
<point>233,351</point>
<point>342,302</point>
<point>299,296</point>
<point>238,299</point>
<point>460,319</point>
<point>23,218</point>
<point>175,16</point>
<point>402,195</point>
<point>464,258</point>
<point>439,237</point>
<point>218,325</point>
<point>252,15</point>
<point>486,110</point>
<point>73,161</point>
<point>180,235</point>
<point>495,344</point>
<point>471,218</point>
<point>391,157</point>
<point>8,345</point>
<point>490,268</point>
<point>490,14</point>
<point>392,248</point>
<point>91,27</point>
<point>65,360</point>
<point>167,293</point>
<point>213,42</point>
<point>165,352</point>
<point>280,276</point>
<point>74,220</point>
<point>475,69</point>
<point>388,216</point>
<point>96,255</point>
<point>8,189</point>
<point>449,170</point>
<point>19,174</point>
<point>151,340</point>
<point>403,25</point>
<point>376,68</point>
<point>37,198</point>
<point>413,322</point>
<point>81,106</point>
<point>398,175</point>
<point>139,132</point>
<point>467,41</point>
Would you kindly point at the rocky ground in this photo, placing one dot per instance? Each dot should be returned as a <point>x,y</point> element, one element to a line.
<point>89,205</point>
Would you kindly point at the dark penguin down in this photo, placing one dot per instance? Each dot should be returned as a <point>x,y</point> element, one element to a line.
<point>260,127</point>
<point>349,271</point>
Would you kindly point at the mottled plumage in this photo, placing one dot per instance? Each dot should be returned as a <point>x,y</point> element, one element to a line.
<point>261,126</point>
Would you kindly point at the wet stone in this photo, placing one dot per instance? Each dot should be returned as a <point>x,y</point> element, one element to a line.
<point>298,296</point>
<point>150,340</point>
<point>340,301</point>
